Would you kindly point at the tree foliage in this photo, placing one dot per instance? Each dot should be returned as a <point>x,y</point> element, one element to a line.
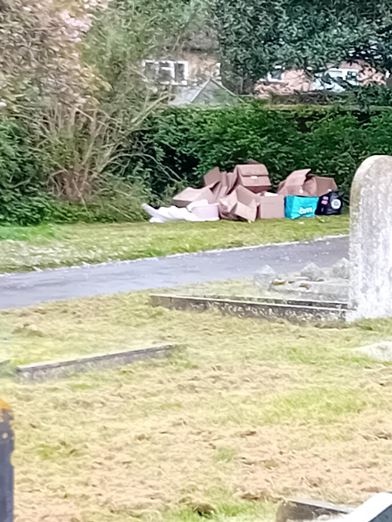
<point>181,145</point>
<point>40,53</point>
<point>71,77</point>
<point>258,35</point>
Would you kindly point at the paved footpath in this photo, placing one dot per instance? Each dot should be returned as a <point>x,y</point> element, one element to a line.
<point>25,289</point>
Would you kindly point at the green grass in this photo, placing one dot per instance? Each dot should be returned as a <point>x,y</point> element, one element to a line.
<point>245,413</point>
<point>50,246</point>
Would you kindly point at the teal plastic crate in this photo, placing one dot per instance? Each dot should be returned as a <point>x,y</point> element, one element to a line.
<point>297,207</point>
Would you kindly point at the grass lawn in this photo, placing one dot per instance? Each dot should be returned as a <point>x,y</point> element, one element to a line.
<point>50,246</point>
<point>246,412</point>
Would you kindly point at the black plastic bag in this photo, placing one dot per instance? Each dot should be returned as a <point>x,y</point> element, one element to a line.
<point>330,204</point>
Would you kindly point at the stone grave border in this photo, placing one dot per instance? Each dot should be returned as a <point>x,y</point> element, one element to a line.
<point>62,368</point>
<point>268,308</point>
<point>304,509</point>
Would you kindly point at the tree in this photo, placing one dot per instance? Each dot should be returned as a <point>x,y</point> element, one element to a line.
<point>40,53</point>
<point>71,71</point>
<point>257,35</point>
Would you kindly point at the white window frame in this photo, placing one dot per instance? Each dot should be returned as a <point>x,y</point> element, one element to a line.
<point>343,72</point>
<point>269,78</point>
<point>171,68</point>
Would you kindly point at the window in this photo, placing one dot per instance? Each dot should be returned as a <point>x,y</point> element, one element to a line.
<point>216,73</point>
<point>276,75</point>
<point>166,72</point>
<point>352,76</point>
<point>348,75</point>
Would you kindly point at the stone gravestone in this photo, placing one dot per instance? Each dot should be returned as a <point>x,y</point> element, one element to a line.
<point>370,293</point>
<point>6,470</point>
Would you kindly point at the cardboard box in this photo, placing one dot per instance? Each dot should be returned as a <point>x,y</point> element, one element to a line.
<point>253,177</point>
<point>293,185</point>
<point>189,195</point>
<point>324,185</point>
<point>226,185</point>
<point>240,204</point>
<point>213,177</point>
<point>304,183</point>
<point>271,206</point>
<point>232,179</point>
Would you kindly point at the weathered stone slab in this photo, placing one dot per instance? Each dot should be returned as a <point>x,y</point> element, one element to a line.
<point>371,240</point>
<point>91,362</point>
<point>266,309</point>
<point>302,509</point>
<point>6,469</point>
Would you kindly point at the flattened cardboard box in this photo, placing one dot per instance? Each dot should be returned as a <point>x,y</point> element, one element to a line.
<point>253,177</point>
<point>271,207</point>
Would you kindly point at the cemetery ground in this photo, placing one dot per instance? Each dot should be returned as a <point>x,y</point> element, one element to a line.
<point>243,413</point>
<point>51,246</point>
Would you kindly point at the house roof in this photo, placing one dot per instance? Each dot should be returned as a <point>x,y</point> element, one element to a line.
<point>210,92</point>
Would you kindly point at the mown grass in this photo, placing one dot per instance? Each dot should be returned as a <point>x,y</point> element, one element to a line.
<point>246,412</point>
<point>50,246</point>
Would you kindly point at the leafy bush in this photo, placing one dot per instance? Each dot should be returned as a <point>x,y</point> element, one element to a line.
<point>22,196</point>
<point>363,97</point>
<point>26,197</point>
<point>116,201</point>
<point>180,145</point>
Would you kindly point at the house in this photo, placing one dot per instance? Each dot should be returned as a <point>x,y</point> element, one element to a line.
<point>334,79</point>
<point>198,61</point>
<point>195,63</point>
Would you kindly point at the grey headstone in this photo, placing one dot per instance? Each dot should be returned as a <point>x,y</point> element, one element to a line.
<point>371,240</point>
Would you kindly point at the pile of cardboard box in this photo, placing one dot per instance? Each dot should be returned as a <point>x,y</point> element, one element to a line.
<point>245,192</point>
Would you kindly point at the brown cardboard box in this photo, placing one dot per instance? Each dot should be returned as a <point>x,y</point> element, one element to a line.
<point>226,185</point>
<point>213,177</point>
<point>324,185</point>
<point>271,206</point>
<point>253,177</point>
<point>221,189</point>
<point>304,183</point>
<point>231,181</point>
<point>240,204</point>
<point>189,195</point>
<point>293,185</point>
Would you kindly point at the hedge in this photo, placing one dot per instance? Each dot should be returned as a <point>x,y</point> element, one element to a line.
<point>177,146</point>
<point>180,145</point>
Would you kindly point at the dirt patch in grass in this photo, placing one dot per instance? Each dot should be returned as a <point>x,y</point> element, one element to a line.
<point>247,412</point>
<point>65,245</point>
